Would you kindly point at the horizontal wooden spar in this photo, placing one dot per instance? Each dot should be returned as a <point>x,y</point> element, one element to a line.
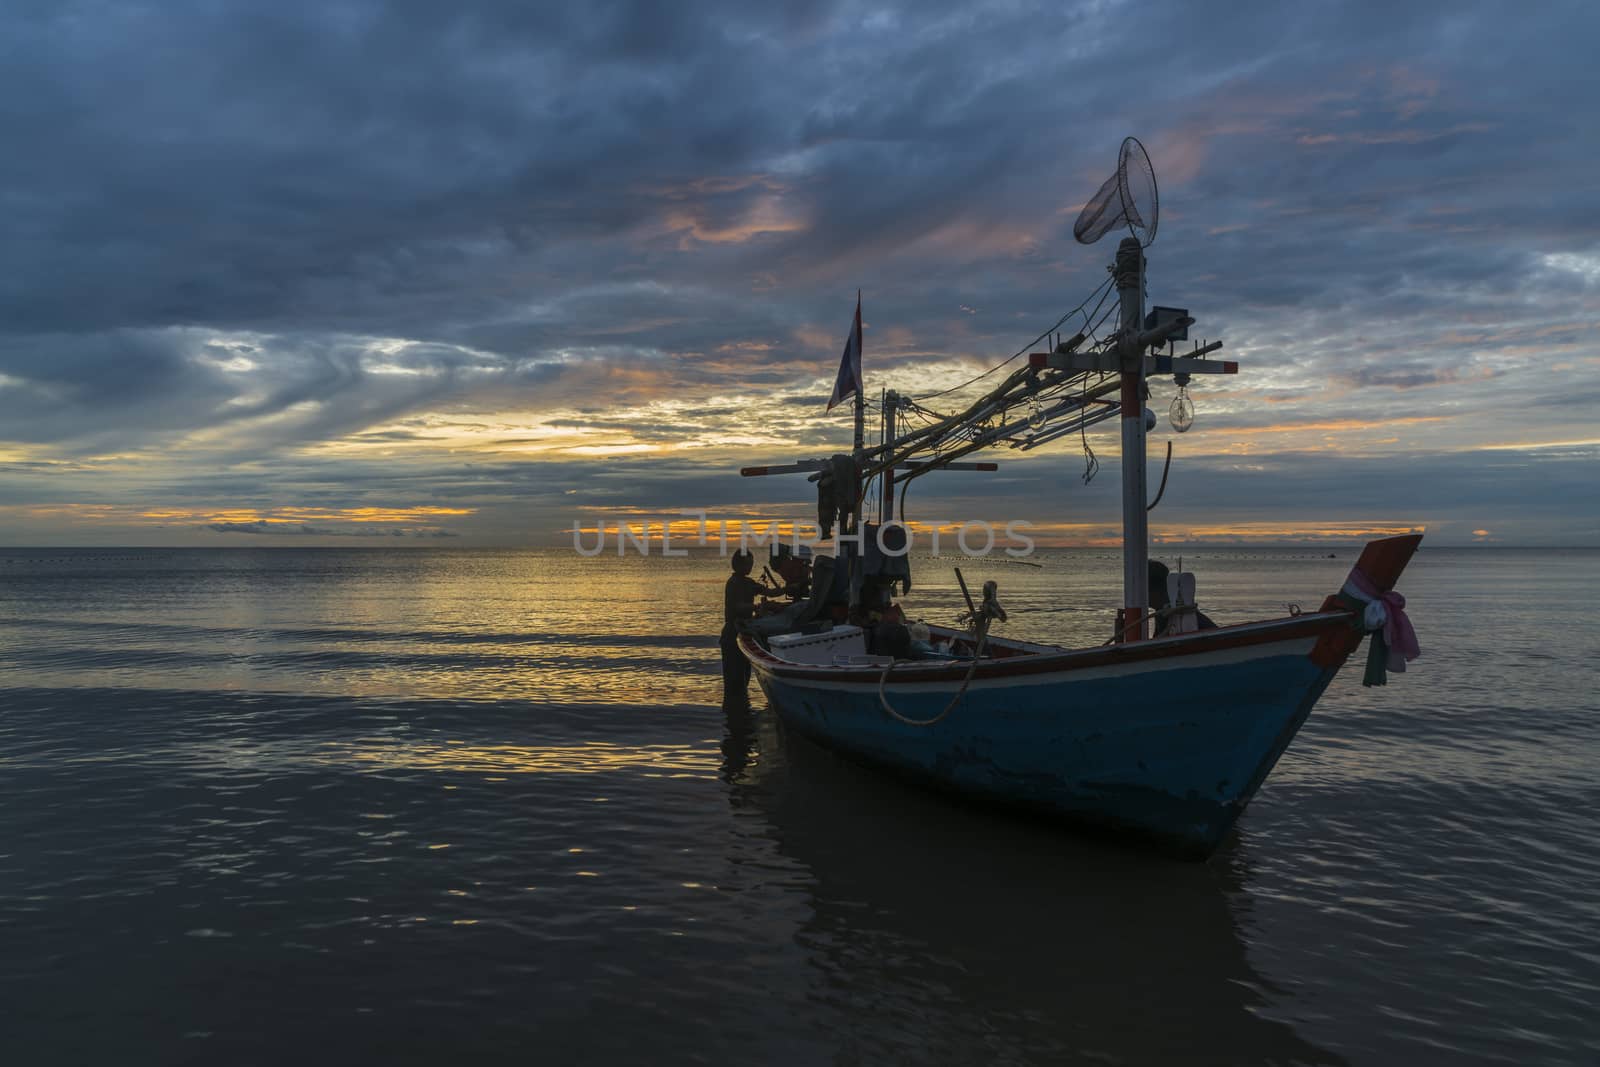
<point>1110,363</point>
<point>787,468</point>
<point>819,464</point>
<point>1188,365</point>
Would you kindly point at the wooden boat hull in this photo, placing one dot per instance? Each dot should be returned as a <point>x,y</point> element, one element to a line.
<point>1167,739</point>
<point>1171,749</point>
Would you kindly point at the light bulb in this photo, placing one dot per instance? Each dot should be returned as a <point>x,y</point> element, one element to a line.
<point>1181,414</point>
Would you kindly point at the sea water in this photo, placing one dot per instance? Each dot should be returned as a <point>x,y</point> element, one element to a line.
<point>314,805</point>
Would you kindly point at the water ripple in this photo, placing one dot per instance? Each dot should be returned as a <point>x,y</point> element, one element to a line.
<point>432,806</point>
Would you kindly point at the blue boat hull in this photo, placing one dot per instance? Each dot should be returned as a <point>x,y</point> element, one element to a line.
<point>1170,749</point>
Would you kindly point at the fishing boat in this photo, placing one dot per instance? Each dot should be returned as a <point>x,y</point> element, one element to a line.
<point>1165,732</point>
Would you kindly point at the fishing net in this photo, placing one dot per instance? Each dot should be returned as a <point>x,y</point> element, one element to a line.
<point>1127,198</point>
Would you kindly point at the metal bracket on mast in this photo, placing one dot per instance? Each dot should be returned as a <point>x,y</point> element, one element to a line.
<point>1110,362</point>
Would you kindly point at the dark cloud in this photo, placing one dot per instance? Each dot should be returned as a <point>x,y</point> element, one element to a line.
<point>1406,376</point>
<point>233,231</point>
<point>277,528</point>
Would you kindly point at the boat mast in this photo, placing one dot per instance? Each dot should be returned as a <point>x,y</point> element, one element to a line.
<point>1126,199</point>
<point>891,404</point>
<point>1135,522</point>
<point>861,421</point>
<point>859,453</point>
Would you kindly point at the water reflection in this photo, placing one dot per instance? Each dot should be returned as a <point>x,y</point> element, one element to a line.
<point>951,934</point>
<point>588,757</point>
<point>367,624</point>
<point>738,738</point>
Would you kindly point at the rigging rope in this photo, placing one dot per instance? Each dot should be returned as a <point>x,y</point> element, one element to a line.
<point>1091,465</point>
<point>1092,331</point>
<point>977,654</point>
<point>1105,285</point>
<point>1163,490</point>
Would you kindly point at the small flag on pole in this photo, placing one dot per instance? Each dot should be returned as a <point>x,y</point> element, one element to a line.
<point>849,381</point>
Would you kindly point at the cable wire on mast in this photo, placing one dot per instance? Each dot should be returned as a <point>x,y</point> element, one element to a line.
<point>1102,290</point>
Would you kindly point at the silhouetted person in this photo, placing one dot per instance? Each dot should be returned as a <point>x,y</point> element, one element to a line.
<point>738,605</point>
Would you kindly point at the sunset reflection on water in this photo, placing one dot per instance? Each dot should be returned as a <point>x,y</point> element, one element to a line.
<point>465,793</point>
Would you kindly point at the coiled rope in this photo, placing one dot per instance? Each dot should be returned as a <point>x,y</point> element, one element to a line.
<point>883,679</point>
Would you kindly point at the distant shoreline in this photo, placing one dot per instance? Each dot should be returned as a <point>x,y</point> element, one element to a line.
<point>697,551</point>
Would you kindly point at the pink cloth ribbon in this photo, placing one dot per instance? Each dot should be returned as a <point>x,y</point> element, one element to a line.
<point>1386,612</point>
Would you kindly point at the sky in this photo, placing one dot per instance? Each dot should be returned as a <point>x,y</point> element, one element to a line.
<point>470,274</point>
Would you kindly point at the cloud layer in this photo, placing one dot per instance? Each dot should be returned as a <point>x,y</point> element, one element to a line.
<point>529,263</point>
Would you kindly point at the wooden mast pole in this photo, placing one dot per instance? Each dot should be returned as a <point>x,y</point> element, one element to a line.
<point>861,392</point>
<point>1135,523</point>
<point>859,453</point>
<point>891,405</point>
